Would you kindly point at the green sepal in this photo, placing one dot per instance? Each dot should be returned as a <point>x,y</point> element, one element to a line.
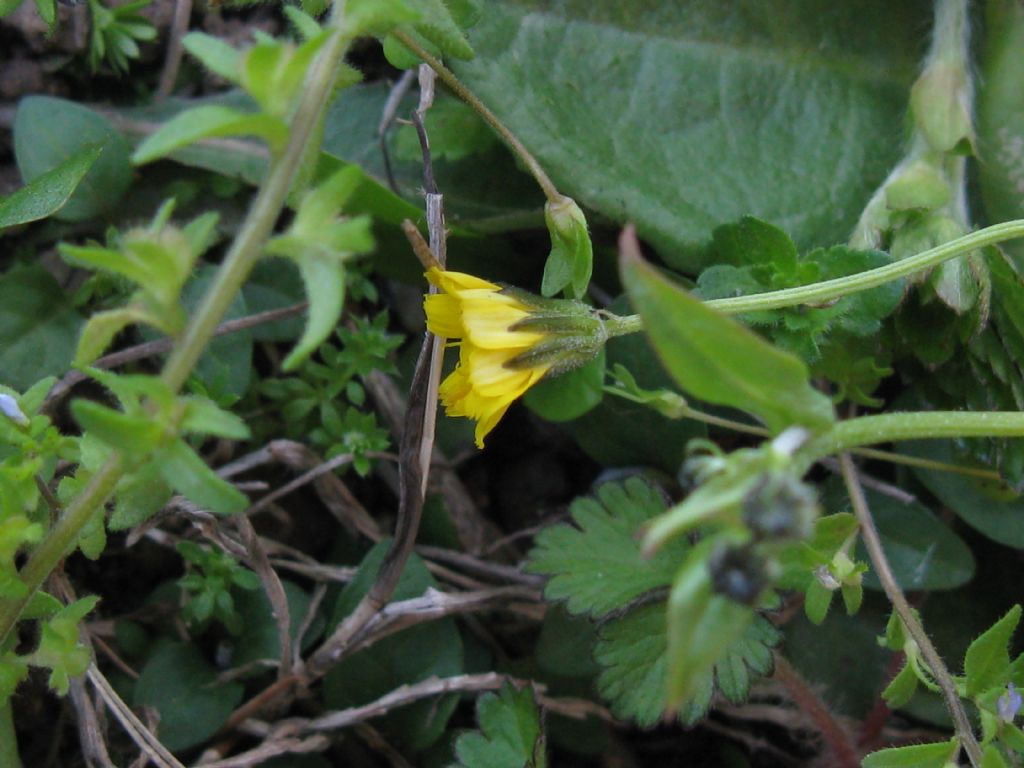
<point>571,261</point>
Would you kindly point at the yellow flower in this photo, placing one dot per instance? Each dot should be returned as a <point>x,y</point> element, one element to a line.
<point>491,372</point>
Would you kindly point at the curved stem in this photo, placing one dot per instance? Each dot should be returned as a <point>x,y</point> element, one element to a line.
<point>873,543</point>
<point>448,78</point>
<point>832,290</point>
<point>240,259</point>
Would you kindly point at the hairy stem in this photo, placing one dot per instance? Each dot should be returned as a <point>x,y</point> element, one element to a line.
<point>459,89</point>
<point>238,263</point>
<point>8,737</point>
<point>814,708</point>
<point>915,425</point>
<point>832,290</point>
<point>907,615</point>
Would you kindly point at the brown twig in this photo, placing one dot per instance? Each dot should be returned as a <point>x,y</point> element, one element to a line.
<point>907,615</point>
<point>414,457</point>
<point>274,590</point>
<point>172,60</point>
<point>90,736</point>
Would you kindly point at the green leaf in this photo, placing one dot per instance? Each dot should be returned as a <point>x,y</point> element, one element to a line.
<point>182,686</point>
<point>214,54</point>
<point>923,552</point>
<point>135,434</point>
<point>49,131</point>
<point>440,31</point>
<point>324,278</point>
<point>48,193</point>
<point>902,688</point>
<point>59,647</point>
<point>1000,122</point>
<point>38,327</point>
<point>597,566</point>
<point>702,626</point>
<point>204,417</point>
<point>754,257</point>
<point>412,655</point>
<point>680,155</point>
<point>569,395</point>
<point>510,734</point>
<point>717,359</point>
<point>918,756</point>
<point>209,122</point>
<point>187,473</point>
<point>633,651</point>
<point>991,758</point>
<point>987,661</point>
<point>986,508</point>
<point>260,640</point>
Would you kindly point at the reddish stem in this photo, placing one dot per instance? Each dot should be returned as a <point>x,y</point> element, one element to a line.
<point>837,739</point>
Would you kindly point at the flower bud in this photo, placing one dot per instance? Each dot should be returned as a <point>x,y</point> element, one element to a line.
<point>571,260</point>
<point>938,102</point>
<point>780,506</point>
<point>919,187</point>
<point>739,573</point>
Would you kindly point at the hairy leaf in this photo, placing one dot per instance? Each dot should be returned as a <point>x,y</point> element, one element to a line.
<point>597,566</point>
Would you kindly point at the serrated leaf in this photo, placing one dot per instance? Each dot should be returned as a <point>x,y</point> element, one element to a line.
<point>633,650</point>
<point>988,657</point>
<point>702,626</point>
<point>209,122</point>
<point>597,566</point>
<point>510,734</point>
<point>718,360</point>
<point>917,756</point>
<point>49,192</point>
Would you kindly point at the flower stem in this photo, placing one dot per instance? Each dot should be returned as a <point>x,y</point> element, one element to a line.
<point>61,538</point>
<point>8,737</point>
<point>241,258</point>
<point>873,543</point>
<point>459,89</point>
<point>916,425</point>
<point>832,290</point>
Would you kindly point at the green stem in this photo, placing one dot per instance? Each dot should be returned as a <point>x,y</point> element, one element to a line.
<point>448,78</point>
<point>916,425</point>
<point>238,263</point>
<point>832,290</point>
<point>8,737</point>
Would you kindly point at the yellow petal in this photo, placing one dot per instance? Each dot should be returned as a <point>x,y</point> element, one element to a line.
<point>444,315</point>
<point>453,282</point>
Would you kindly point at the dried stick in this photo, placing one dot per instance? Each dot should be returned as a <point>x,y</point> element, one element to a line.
<point>160,346</point>
<point>172,61</point>
<point>873,543</point>
<point>414,448</point>
<point>274,590</point>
